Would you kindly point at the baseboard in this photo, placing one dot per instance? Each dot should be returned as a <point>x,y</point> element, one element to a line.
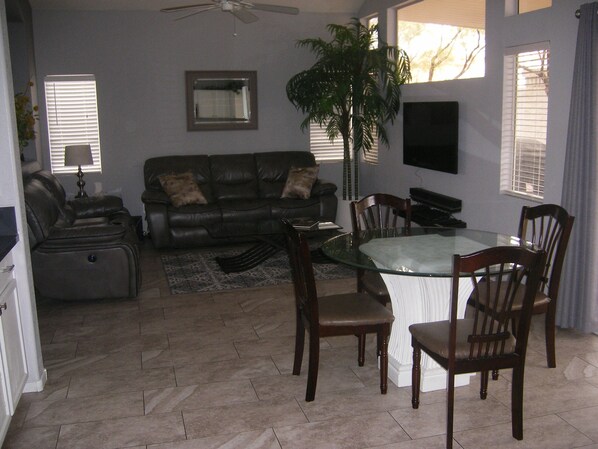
<point>37,385</point>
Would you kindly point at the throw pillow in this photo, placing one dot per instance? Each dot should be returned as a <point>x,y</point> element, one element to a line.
<point>300,181</point>
<point>182,189</point>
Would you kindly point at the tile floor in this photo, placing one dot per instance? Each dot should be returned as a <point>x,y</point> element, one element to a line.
<point>214,371</point>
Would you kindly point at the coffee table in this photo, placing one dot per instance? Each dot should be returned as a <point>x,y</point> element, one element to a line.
<point>269,242</point>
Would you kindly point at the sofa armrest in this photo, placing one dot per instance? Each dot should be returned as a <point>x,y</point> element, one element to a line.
<point>96,206</point>
<point>155,196</point>
<point>322,187</point>
<point>156,215</point>
<point>84,236</point>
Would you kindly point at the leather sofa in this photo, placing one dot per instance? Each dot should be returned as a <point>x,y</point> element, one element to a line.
<point>243,195</point>
<point>81,249</point>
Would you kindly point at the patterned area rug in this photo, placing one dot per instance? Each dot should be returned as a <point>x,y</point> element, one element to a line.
<point>197,271</point>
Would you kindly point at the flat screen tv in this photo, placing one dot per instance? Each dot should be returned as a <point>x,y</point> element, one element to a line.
<point>431,135</point>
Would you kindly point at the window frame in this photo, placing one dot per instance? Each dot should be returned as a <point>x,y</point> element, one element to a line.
<point>72,99</point>
<point>512,170</point>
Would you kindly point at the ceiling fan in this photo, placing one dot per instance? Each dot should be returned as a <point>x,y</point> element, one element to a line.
<point>241,9</point>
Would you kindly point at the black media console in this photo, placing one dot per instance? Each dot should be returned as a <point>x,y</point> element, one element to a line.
<point>434,209</point>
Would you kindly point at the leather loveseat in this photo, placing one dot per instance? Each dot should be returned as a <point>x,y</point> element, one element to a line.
<point>80,249</point>
<point>242,197</point>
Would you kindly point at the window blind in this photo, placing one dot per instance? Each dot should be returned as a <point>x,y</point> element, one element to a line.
<point>72,116</point>
<point>525,114</point>
<point>326,151</point>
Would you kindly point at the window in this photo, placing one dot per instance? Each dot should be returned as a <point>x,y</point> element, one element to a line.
<point>370,22</point>
<point>326,151</point>
<point>322,148</point>
<point>524,122</point>
<point>445,39</point>
<point>72,116</point>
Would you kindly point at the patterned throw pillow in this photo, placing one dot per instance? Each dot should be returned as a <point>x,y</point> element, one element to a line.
<point>182,189</point>
<point>300,181</point>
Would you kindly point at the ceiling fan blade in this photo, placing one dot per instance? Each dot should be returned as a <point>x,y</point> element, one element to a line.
<point>244,15</point>
<point>275,8</point>
<point>182,8</point>
<point>194,13</point>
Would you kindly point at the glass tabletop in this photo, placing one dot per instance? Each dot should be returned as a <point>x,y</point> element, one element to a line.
<point>422,252</point>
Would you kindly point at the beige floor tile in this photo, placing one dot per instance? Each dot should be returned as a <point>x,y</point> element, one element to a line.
<point>38,438</point>
<point>181,357</point>
<point>225,371</point>
<point>210,335</point>
<point>435,442</point>
<point>123,432</point>
<point>194,397</point>
<point>116,381</point>
<point>257,439</point>
<point>355,432</point>
<point>242,417</point>
<point>114,344</point>
<point>265,346</point>
<point>92,364</point>
<point>585,420</point>
<point>93,408</point>
<point>546,432</point>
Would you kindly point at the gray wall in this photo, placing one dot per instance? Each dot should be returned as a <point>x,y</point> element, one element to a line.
<point>139,59</point>
<point>480,102</point>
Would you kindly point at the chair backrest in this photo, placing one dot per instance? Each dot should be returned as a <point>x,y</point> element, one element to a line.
<point>548,226</point>
<point>380,211</point>
<point>306,296</point>
<point>495,285</point>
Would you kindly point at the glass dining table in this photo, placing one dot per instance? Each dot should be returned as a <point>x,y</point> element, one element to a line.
<point>417,270</point>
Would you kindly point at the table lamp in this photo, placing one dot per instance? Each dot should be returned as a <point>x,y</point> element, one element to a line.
<point>78,155</point>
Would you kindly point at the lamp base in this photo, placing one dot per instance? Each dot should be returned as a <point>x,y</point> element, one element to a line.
<point>81,185</point>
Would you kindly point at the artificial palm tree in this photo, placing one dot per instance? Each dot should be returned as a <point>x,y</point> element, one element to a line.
<point>353,90</point>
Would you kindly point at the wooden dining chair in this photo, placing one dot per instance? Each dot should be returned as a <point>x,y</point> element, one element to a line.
<point>483,342</point>
<point>325,316</point>
<point>378,211</point>
<point>547,226</point>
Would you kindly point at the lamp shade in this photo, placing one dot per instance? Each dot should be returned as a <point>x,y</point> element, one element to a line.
<point>77,155</point>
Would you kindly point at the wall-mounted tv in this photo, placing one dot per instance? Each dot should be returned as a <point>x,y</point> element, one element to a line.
<point>431,135</point>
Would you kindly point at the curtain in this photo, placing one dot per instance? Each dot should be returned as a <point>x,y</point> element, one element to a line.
<point>578,303</point>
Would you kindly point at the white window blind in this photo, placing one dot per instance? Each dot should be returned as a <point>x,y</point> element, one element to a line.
<point>322,148</point>
<point>326,151</point>
<point>524,124</point>
<point>72,116</point>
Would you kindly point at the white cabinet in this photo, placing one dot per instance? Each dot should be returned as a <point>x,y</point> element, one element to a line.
<point>13,366</point>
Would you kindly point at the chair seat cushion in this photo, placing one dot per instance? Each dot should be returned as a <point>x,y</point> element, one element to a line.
<point>541,299</point>
<point>373,284</point>
<point>434,336</point>
<point>352,309</point>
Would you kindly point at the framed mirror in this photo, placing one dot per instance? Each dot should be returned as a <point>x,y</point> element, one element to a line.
<point>219,100</point>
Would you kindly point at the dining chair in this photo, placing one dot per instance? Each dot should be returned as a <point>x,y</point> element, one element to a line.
<point>548,227</point>
<point>482,342</point>
<point>333,315</point>
<point>378,211</point>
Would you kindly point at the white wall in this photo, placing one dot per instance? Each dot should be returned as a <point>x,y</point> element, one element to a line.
<point>480,102</point>
<point>139,59</point>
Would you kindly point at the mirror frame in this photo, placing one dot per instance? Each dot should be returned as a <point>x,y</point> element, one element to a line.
<point>192,76</point>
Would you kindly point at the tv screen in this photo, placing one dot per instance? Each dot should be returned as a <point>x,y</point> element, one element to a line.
<point>431,135</point>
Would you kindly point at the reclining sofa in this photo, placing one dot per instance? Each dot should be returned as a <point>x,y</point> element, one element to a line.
<point>81,249</point>
<point>243,197</point>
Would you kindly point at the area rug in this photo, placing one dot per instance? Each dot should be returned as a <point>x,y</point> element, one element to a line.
<point>197,271</point>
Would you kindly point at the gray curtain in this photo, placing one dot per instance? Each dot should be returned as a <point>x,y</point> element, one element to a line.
<point>578,303</point>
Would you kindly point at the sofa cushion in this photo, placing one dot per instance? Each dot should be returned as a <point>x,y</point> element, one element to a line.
<point>245,210</point>
<point>199,165</point>
<point>299,182</point>
<point>194,215</point>
<point>273,168</point>
<point>233,176</point>
<point>182,189</point>
<point>294,208</point>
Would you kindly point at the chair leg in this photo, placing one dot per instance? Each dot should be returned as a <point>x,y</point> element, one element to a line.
<point>382,338</point>
<point>484,384</point>
<point>299,342</point>
<point>361,349</point>
<point>415,374</point>
<point>494,374</point>
<point>450,410</point>
<point>517,403</point>
<point>549,332</point>
<point>312,372</point>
